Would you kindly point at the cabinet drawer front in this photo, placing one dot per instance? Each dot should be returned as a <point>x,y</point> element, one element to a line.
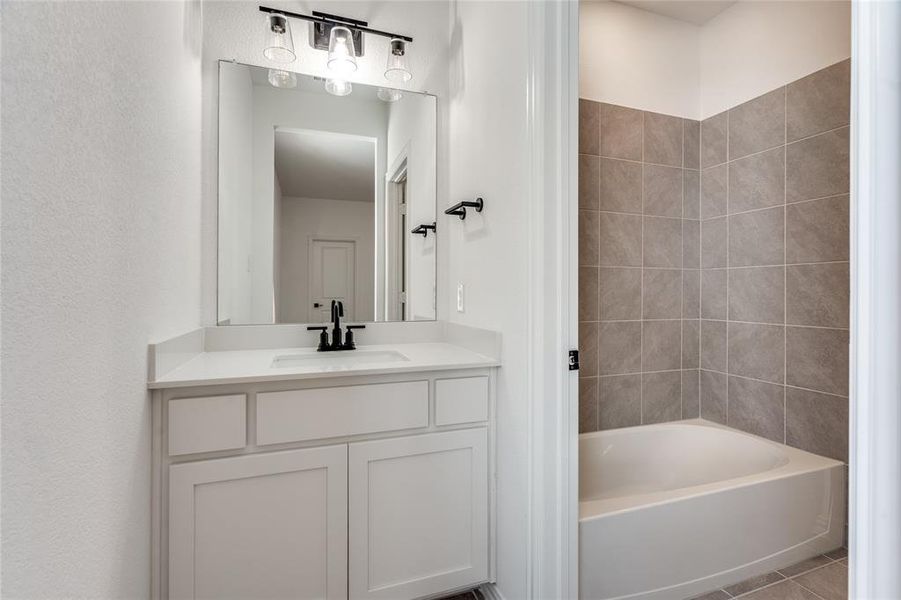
<point>206,424</point>
<point>299,415</point>
<point>461,400</point>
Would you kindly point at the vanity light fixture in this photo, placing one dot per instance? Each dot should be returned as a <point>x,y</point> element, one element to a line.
<point>282,79</point>
<point>338,87</point>
<point>397,69</point>
<point>341,55</point>
<point>279,43</point>
<point>389,95</point>
<point>342,37</point>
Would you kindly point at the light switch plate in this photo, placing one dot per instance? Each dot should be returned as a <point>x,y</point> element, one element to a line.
<point>460,294</point>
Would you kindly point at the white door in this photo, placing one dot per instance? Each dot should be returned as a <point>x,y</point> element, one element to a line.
<point>418,514</point>
<point>332,274</point>
<point>266,526</point>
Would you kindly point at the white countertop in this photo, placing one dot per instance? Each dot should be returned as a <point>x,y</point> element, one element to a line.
<point>247,366</point>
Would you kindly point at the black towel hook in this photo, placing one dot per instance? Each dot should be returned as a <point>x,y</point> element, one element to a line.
<point>459,209</point>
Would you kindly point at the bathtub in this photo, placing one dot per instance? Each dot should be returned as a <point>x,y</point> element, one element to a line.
<point>679,509</point>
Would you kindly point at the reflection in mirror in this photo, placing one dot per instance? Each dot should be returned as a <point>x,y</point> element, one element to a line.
<point>318,199</point>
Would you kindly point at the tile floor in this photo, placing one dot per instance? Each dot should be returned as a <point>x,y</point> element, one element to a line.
<point>470,595</point>
<point>823,577</point>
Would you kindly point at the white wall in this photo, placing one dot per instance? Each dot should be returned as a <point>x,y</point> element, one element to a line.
<point>412,132</point>
<point>302,218</point>
<point>488,156</point>
<point>234,31</point>
<point>636,58</point>
<point>100,239</point>
<point>235,211</point>
<point>754,47</point>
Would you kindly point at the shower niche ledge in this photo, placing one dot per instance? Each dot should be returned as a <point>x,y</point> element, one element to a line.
<point>282,473</point>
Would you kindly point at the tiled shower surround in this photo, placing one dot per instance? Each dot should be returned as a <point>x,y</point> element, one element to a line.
<point>765,317</point>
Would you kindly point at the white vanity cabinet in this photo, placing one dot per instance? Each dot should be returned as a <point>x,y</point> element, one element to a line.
<point>353,487</point>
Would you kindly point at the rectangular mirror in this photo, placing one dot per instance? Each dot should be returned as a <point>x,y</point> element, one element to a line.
<point>319,198</point>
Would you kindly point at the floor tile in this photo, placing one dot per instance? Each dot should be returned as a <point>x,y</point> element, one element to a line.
<point>787,590</point>
<point>838,553</point>
<point>804,566</point>
<point>717,595</point>
<point>830,582</point>
<point>752,584</point>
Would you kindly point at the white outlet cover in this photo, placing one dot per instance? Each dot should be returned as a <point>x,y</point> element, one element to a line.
<point>460,293</point>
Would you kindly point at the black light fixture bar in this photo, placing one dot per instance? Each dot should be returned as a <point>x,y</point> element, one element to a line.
<point>319,17</point>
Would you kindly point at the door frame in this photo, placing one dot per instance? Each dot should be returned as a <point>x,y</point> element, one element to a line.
<point>875,411</point>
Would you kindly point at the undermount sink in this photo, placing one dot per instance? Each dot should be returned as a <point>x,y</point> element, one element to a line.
<point>338,359</point>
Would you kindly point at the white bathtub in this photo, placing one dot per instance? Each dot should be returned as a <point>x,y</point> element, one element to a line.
<point>679,509</point>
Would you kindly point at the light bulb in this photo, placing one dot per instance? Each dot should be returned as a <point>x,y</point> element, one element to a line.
<point>389,95</point>
<point>282,79</point>
<point>397,69</point>
<point>338,87</point>
<point>341,56</point>
<point>279,43</point>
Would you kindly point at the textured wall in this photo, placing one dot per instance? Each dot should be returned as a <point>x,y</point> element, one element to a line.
<point>100,250</point>
<point>774,258</point>
<point>638,266</point>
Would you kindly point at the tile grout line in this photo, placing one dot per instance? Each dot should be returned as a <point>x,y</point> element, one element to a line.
<point>785,268</point>
<point>682,281</point>
<point>769,266</point>
<point>787,385</point>
<point>728,253</point>
<point>641,289</point>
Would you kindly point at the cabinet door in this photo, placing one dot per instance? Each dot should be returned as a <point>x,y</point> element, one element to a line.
<point>418,514</point>
<point>260,526</point>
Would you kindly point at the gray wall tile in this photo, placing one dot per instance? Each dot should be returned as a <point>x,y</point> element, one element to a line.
<point>713,243</point>
<point>620,240</point>
<point>757,351</point>
<point>817,359</point>
<point>588,349</point>
<point>691,343</point>
<point>620,186</point>
<point>589,237</point>
<point>757,181</point>
<point>691,294</point>
<point>757,294</point>
<point>662,294</point>
<point>817,231</point>
<point>691,398</point>
<point>661,345</point>
<point>619,347</point>
<point>713,140</point>
<point>691,244</point>
<point>713,345</point>
<point>757,238</point>
<point>588,293</point>
<point>662,139</point>
<point>757,125</point>
<point>713,294</point>
<point>662,242</point>
<point>588,404</point>
<point>817,423</point>
<point>757,408</point>
<point>818,295</point>
<point>691,144</point>
<point>662,191</point>
<point>589,127</point>
<point>713,396</point>
<point>620,293</point>
<point>621,132</point>
<point>619,401</point>
<point>691,194</point>
<point>714,182</point>
<point>818,166</point>
<point>661,397</point>
<point>819,102</point>
<point>589,181</point>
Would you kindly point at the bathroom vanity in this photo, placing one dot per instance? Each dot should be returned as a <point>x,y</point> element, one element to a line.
<point>280,472</point>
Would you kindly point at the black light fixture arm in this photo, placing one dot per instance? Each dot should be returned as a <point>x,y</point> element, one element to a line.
<point>459,209</point>
<point>320,17</point>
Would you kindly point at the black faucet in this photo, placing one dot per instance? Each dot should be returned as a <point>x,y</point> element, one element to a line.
<point>336,344</point>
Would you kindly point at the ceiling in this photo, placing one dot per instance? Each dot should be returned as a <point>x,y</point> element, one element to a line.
<point>324,165</point>
<point>690,11</point>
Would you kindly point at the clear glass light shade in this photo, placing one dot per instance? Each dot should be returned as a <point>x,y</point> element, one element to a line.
<point>397,69</point>
<point>282,79</point>
<point>389,95</point>
<point>338,87</point>
<point>279,43</point>
<point>341,56</point>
